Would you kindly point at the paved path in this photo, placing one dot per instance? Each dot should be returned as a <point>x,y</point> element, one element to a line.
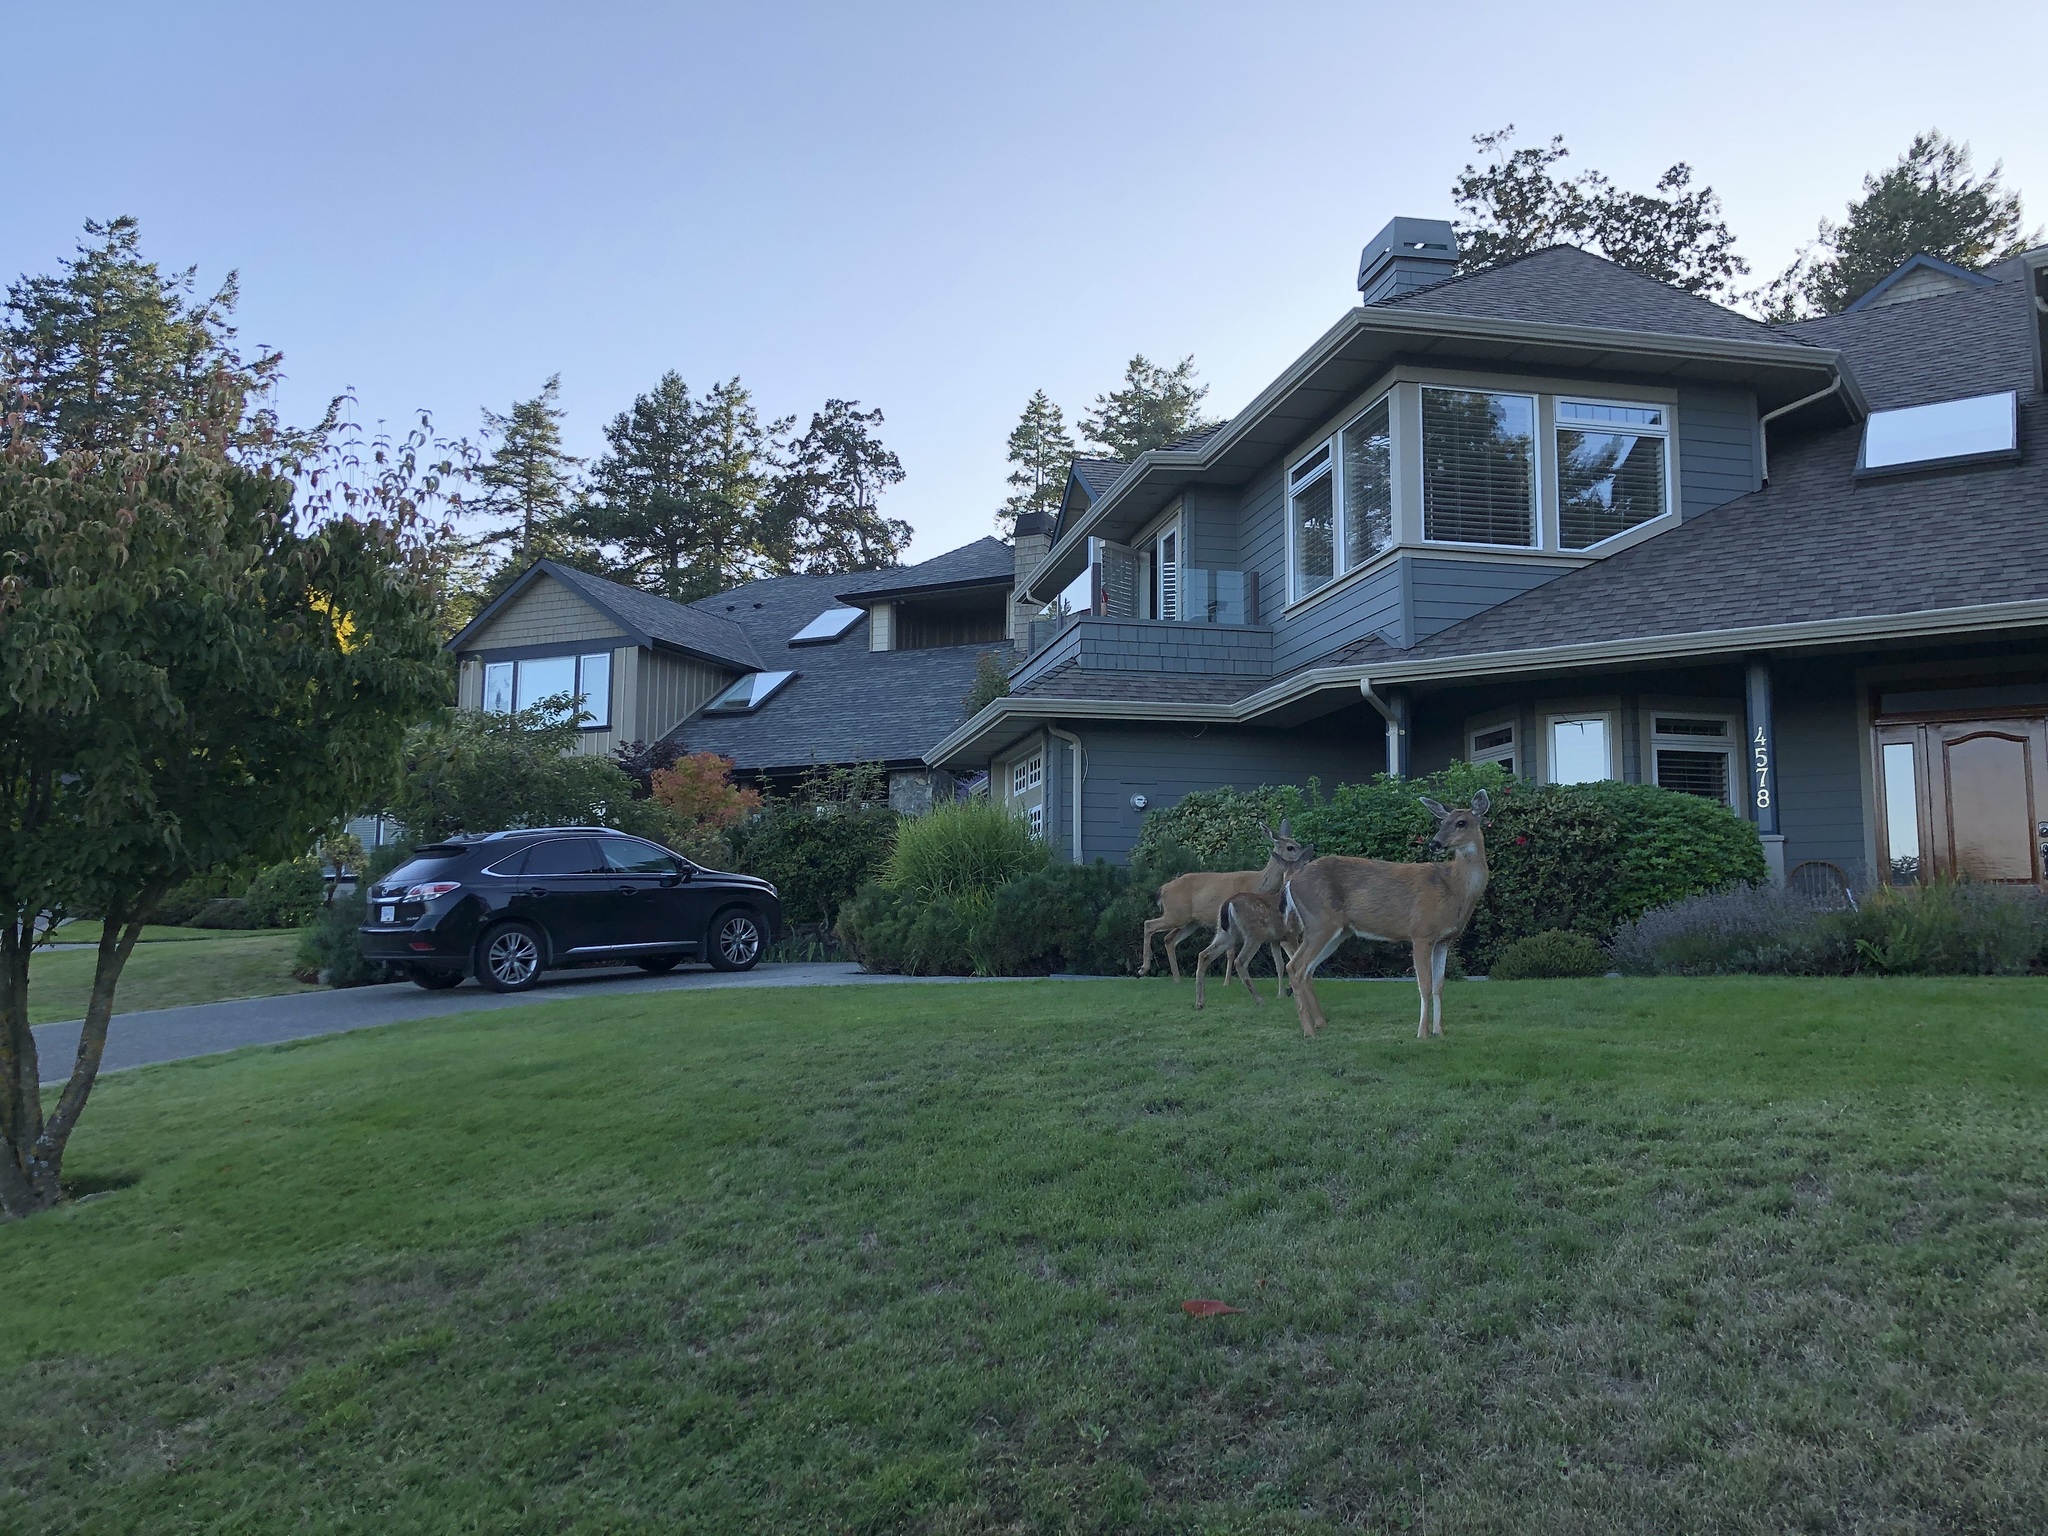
<point>171,1034</point>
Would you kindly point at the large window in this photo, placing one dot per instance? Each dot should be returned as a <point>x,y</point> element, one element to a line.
<point>1581,750</point>
<point>1340,502</point>
<point>1368,486</point>
<point>1610,469</point>
<point>1312,520</point>
<point>1478,467</point>
<point>519,685</point>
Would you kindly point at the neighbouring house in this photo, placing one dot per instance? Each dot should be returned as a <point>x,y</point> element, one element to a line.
<point>1562,517</point>
<point>782,675</point>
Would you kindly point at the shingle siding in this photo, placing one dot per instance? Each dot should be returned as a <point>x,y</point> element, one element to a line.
<point>546,613</point>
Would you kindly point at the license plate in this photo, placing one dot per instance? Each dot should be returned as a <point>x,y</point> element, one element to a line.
<point>390,914</point>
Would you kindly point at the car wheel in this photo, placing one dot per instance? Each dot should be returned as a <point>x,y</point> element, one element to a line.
<point>659,965</point>
<point>736,940</point>
<point>509,958</point>
<point>433,981</point>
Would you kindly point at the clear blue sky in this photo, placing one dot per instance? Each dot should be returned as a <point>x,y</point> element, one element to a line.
<point>933,209</point>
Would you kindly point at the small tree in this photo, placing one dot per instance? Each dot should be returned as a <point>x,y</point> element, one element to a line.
<point>469,771</point>
<point>1154,407</point>
<point>698,791</point>
<point>1041,452</point>
<point>991,682</point>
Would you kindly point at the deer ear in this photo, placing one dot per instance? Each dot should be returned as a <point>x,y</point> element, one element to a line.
<point>1283,827</point>
<point>1434,809</point>
<point>1480,802</point>
<point>1264,830</point>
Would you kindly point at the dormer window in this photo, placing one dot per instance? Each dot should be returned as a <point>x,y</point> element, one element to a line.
<point>1611,469</point>
<point>827,626</point>
<point>1478,467</point>
<point>749,693</point>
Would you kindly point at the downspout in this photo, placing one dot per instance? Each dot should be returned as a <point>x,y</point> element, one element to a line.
<point>1395,712</point>
<point>1074,745</point>
<point>1763,424</point>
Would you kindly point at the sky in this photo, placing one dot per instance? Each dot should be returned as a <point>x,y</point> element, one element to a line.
<point>930,209</point>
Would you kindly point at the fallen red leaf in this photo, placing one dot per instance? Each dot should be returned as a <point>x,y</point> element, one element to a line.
<point>1201,1308</point>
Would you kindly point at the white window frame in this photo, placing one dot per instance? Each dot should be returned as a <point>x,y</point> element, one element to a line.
<point>1509,752</point>
<point>598,706</point>
<point>1027,773</point>
<point>1173,526</point>
<point>1539,534</point>
<point>1340,531</point>
<point>1327,446</point>
<point>1610,718</point>
<point>1034,818</point>
<point>1729,744</point>
<point>1668,431</point>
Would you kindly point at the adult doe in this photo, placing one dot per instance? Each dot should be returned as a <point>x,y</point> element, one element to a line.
<point>1424,905</point>
<point>1252,920</point>
<point>1196,901</point>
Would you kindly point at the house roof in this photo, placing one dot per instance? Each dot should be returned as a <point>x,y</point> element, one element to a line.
<point>647,618</point>
<point>1098,475</point>
<point>847,704</point>
<point>1563,285</point>
<point>1944,347</point>
<point>986,562</point>
<point>1920,261</point>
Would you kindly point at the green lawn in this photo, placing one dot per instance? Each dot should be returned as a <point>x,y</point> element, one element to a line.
<point>153,933</point>
<point>167,975</point>
<point>1736,1255</point>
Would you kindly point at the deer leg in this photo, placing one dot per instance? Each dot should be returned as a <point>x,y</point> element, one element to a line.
<point>1152,926</point>
<point>1436,985</point>
<point>1425,966</point>
<point>1173,948</point>
<point>1220,945</point>
<point>1245,954</point>
<point>1316,947</point>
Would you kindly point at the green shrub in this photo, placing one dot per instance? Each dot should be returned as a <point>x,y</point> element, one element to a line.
<point>329,948</point>
<point>285,895</point>
<point>817,854</point>
<point>1063,918</point>
<point>1759,929</point>
<point>962,852</point>
<point>1550,954</point>
<point>223,912</point>
<point>1946,929</point>
<point>895,931</point>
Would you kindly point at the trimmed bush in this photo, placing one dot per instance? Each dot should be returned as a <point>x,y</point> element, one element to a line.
<point>1555,953</point>
<point>962,852</point>
<point>890,930</point>
<point>285,895</point>
<point>223,912</point>
<point>817,854</point>
<point>1065,917</point>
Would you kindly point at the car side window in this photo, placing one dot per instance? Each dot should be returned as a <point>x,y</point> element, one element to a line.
<point>630,856</point>
<point>564,856</point>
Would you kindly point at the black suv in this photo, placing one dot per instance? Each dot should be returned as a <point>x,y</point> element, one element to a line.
<point>505,906</point>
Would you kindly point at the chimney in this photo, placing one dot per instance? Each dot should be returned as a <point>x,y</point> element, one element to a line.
<point>1032,540</point>
<point>1406,255</point>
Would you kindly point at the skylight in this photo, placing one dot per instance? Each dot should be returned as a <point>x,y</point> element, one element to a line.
<point>829,625</point>
<point>1948,430</point>
<point>750,692</point>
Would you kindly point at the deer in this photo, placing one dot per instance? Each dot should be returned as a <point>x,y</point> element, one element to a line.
<point>1251,919</point>
<point>1427,905</point>
<point>1196,901</point>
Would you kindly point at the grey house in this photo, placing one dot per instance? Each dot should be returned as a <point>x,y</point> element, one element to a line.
<point>781,675</point>
<point>1560,516</point>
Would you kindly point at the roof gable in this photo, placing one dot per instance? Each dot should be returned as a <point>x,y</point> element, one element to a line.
<point>1920,276</point>
<point>986,562</point>
<point>642,616</point>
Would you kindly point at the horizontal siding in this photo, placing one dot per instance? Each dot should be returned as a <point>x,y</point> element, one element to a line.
<point>1165,764</point>
<point>1262,540</point>
<point>546,613</point>
<point>1716,448</point>
<point>1367,607</point>
<point>1820,766</point>
<point>1211,524</point>
<point>1443,592</point>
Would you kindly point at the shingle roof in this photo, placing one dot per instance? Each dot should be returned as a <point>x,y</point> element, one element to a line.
<point>682,627</point>
<point>1070,680</point>
<point>986,561</point>
<point>1563,285</point>
<point>847,704</point>
<point>1939,348</point>
<point>1098,475</point>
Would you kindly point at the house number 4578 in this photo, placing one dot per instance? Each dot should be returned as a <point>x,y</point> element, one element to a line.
<point>1760,763</point>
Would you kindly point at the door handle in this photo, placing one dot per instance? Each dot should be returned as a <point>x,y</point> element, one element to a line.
<point>629,890</point>
<point>535,892</point>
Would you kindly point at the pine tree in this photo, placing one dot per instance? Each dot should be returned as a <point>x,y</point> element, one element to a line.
<point>529,480</point>
<point>822,516</point>
<point>1156,406</point>
<point>1928,202</point>
<point>1041,452</point>
<point>679,495</point>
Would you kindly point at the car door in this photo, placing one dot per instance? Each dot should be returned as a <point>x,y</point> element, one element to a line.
<point>655,899</point>
<point>565,887</point>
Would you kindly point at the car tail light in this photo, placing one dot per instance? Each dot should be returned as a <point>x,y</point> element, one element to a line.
<point>431,889</point>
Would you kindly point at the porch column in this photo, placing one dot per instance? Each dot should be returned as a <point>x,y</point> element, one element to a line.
<point>1398,757</point>
<point>1762,763</point>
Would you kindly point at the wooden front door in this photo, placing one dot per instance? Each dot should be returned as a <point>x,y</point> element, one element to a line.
<point>1964,799</point>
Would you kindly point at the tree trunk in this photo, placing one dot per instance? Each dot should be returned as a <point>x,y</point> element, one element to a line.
<point>21,1104</point>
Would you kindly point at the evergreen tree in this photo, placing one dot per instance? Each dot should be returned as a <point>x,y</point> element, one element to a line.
<point>679,495</point>
<point>528,480</point>
<point>821,516</point>
<point>110,353</point>
<point>1156,406</point>
<point>1928,202</point>
<point>1517,203</point>
<point>1041,451</point>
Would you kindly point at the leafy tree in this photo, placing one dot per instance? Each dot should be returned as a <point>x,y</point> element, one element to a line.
<point>1154,407</point>
<point>528,480</point>
<point>822,843</point>
<point>821,517</point>
<point>469,771</point>
<point>111,353</point>
<point>191,674</point>
<point>1041,451</point>
<point>1928,202</point>
<point>679,494</point>
<point>991,682</point>
<point>1518,203</point>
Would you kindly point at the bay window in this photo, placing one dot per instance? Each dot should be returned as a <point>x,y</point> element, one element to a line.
<point>512,686</point>
<point>1368,486</point>
<point>1478,467</point>
<point>1611,473</point>
<point>1311,521</point>
<point>1581,748</point>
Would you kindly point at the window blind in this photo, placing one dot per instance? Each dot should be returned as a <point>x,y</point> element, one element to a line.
<point>1478,458</point>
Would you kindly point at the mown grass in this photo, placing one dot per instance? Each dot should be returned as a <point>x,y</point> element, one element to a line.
<point>1731,1255</point>
<point>88,932</point>
<point>167,975</point>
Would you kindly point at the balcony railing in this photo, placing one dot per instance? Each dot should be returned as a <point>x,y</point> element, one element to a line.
<point>1195,595</point>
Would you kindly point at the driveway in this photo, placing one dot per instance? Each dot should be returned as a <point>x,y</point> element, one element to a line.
<point>171,1034</point>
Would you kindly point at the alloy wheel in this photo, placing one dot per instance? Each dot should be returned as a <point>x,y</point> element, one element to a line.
<point>513,957</point>
<point>739,940</point>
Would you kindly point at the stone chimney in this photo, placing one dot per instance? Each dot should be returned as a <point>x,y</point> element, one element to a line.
<point>1406,255</point>
<point>1033,539</point>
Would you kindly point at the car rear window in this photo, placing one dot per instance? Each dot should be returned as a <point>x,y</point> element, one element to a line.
<point>564,856</point>
<point>425,864</point>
